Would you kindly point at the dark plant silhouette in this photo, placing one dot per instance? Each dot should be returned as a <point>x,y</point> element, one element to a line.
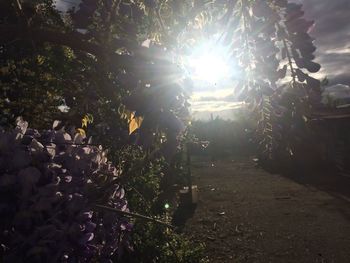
<point>50,183</point>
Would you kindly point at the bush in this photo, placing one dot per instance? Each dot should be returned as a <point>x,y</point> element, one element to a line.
<point>149,184</point>
<point>226,137</point>
<point>50,183</point>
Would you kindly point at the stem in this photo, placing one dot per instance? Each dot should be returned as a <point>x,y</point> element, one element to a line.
<point>288,53</point>
<point>246,39</point>
<point>141,196</point>
<point>160,20</point>
<point>135,215</point>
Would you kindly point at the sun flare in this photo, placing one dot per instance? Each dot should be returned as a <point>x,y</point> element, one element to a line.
<point>209,64</point>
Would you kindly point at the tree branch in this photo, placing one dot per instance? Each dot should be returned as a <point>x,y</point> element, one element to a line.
<point>74,40</point>
<point>129,214</point>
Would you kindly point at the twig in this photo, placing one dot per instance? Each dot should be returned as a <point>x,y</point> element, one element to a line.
<point>135,215</point>
<point>159,17</point>
<point>287,53</point>
<point>142,197</point>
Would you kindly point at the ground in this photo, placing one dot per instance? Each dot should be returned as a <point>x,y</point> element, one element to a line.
<point>246,214</point>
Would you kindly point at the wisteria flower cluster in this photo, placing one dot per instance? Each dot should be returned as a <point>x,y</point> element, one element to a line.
<point>50,183</point>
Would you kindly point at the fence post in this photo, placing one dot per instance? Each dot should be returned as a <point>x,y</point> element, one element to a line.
<point>189,176</point>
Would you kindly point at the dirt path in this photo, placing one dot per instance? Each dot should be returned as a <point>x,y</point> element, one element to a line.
<point>246,214</point>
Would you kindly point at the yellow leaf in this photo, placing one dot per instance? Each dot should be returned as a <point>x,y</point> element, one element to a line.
<point>84,122</point>
<point>135,124</point>
<point>87,119</point>
<point>130,115</point>
<point>40,59</point>
<point>82,132</point>
<point>126,114</point>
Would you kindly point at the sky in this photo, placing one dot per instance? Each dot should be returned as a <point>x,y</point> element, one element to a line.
<point>332,34</point>
<point>332,39</point>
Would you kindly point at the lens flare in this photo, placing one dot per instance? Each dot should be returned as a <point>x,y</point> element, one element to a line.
<point>209,64</point>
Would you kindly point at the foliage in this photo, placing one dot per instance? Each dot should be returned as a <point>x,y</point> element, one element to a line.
<point>170,247</point>
<point>69,60</point>
<point>89,70</point>
<point>225,137</point>
<point>148,190</point>
<point>49,185</point>
<point>270,42</point>
<point>112,69</point>
<point>282,123</point>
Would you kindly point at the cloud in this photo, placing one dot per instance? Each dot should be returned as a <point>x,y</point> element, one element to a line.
<point>65,5</point>
<point>214,100</point>
<point>332,39</point>
<point>332,34</point>
<point>229,98</point>
<point>215,106</point>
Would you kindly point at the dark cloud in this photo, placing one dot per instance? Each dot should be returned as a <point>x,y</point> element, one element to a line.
<point>332,34</point>
<point>336,66</point>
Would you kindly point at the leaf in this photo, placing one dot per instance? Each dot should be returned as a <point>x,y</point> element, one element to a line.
<point>55,124</point>
<point>21,125</point>
<point>306,48</point>
<point>313,83</point>
<point>301,75</point>
<point>135,124</point>
<point>81,132</point>
<point>129,115</point>
<point>87,119</point>
<point>40,59</point>
<point>84,122</point>
<point>282,72</point>
<point>312,67</point>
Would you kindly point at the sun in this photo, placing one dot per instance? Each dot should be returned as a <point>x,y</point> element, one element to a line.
<point>209,63</point>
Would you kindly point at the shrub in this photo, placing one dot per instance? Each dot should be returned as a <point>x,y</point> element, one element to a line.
<point>50,183</point>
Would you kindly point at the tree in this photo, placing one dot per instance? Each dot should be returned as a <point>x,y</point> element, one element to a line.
<point>273,51</point>
<point>112,69</point>
<point>88,69</point>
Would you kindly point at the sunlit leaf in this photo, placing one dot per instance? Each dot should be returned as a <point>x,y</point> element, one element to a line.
<point>40,59</point>
<point>81,132</point>
<point>135,124</point>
